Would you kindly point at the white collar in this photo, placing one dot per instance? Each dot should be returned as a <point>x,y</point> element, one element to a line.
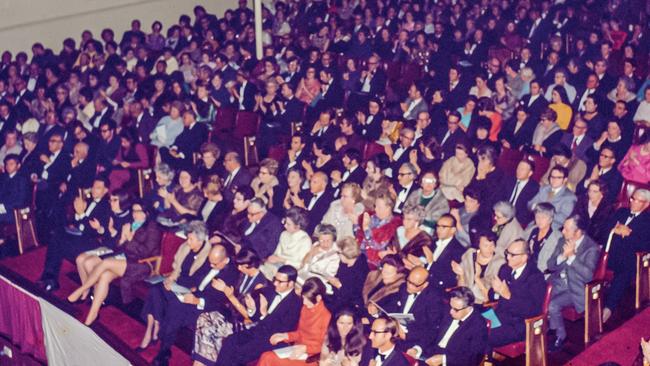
<point>468,314</point>
<point>519,271</point>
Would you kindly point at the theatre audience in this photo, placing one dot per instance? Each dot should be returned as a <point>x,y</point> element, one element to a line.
<point>542,237</point>
<point>344,212</point>
<point>294,243</point>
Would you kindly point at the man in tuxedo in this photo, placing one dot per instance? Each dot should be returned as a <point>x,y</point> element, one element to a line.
<point>457,92</point>
<point>244,92</point>
<point>519,290</point>
<point>91,221</point>
<point>331,94</point>
<point>557,194</point>
<point>185,308</point>
<point>103,113</point>
<point>369,125</point>
<point>462,336</point>
<point>180,154</point>
<point>560,79</point>
<point>371,84</point>
<point>54,169</point>
<point>631,231</point>
<point>353,173</point>
<point>82,173</point>
<point>291,110</point>
<point>534,103</point>
<point>263,231</point>
<point>296,154</point>
<point>228,73</point>
<point>423,127</point>
<point>238,175</point>
<point>278,312</point>
<point>591,85</point>
<point>7,120</point>
<point>445,249</point>
<point>325,129</point>
<point>425,303</point>
<point>291,77</point>
<point>572,265</point>
<point>605,171</point>
<point>109,145</point>
<point>317,202</point>
<point>406,184</point>
<point>451,135</point>
<point>414,104</point>
<point>214,209</point>
<point>13,189</point>
<point>143,121</point>
<point>399,153</point>
<point>383,336</point>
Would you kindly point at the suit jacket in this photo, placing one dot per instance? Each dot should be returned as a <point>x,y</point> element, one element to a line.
<point>214,299</point>
<point>293,112</point>
<point>466,345</point>
<point>573,277</point>
<point>80,176</point>
<point>265,235</point>
<point>247,101</point>
<point>146,126</point>
<point>598,229</point>
<point>242,178</point>
<point>377,83</point>
<point>522,214</point>
<point>404,158</point>
<point>395,358</point>
<point>564,202</point>
<point>534,110</point>
<point>548,245</point>
<point>421,106</point>
<point>440,273</point>
<point>107,152</point>
<point>622,252</point>
<point>448,147</point>
<point>13,194</point>
<point>191,139</point>
<point>101,212</point>
<point>457,96</point>
<point>315,215</point>
<point>523,136</point>
<point>581,148</point>
<point>284,317</point>
<point>329,135</point>
<point>333,98</point>
<point>58,171</point>
<point>98,117</point>
<point>427,309</point>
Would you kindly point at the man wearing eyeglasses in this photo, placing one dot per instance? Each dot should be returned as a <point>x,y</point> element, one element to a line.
<point>462,338</point>
<point>276,310</point>
<point>557,194</point>
<point>406,185</point>
<point>519,290</point>
<point>445,250</point>
<point>383,335</point>
<point>631,228</point>
<point>108,146</point>
<point>605,171</point>
<point>263,231</point>
<point>424,302</point>
<point>399,153</point>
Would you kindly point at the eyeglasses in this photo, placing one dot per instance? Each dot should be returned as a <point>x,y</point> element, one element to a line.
<point>461,309</point>
<point>378,331</point>
<point>406,137</point>
<point>511,254</point>
<point>403,174</point>
<point>277,280</point>
<point>103,130</point>
<point>55,140</point>
<point>444,226</point>
<point>607,156</point>
<point>636,199</point>
<point>557,177</point>
<point>251,214</point>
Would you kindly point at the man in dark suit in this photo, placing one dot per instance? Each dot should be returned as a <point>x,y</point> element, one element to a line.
<point>90,223</point>
<point>353,173</point>
<point>631,231</point>
<point>228,74</point>
<point>180,155</point>
<point>82,173</point>
<point>520,189</point>
<point>457,90</point>
<point>238,175</point>
<point>108,146</point>
<point>317,202</point>
<point>263,231</point>
<point>291,77</point>
<point>462,335</point>
<point>214,209</point>
<point>54,169</point>
<point>450,135</point>
<point>384,333</point>
<point>13,189</point>
<point>446,249</point>
<point>425,303</point>
<point>281,314</point>
<point>578,141</point>
<point>103,113</point>
<point>534,103</point>
<point>519,290</point>
<point>406,184</point>
<point>244,92</point>
<point>7,119</point>
<point>399,153</point>
<point>143,121</point>
<point>296,154</point>
<point>371,84</point>
<point>572,265</point>
<point>605,171</point>
<point>331,94</point>
<point>325,129</point>
<point>186,308</point>
<point>291,110</point>
<point>518,131</point>
<point>369,124</point>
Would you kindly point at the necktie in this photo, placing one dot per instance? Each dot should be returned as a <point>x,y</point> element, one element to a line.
<point>227,183</point>
<point>513,198</point>
<point>574,145</point>
<point>551,194</point>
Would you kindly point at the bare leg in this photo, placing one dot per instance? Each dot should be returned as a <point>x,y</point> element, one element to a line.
<point>156,329</point>
<point>198,363</point>
<point>147,333</point>
<point>91,279</point>
<point>101,291</point>
<point>79,261</point>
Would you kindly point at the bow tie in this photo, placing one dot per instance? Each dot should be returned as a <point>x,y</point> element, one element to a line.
<point>381,357</point>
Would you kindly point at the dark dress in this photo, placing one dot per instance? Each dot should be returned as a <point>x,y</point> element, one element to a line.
<point>352,279</point>
<point>145,244</point>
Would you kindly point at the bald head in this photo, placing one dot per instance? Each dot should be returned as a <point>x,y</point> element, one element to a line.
<point>417,280</point>
<point>218,257</point>
<point>517,254</point>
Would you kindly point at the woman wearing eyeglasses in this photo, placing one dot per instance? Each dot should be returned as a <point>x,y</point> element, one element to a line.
<point>307,340</point>
<point>505,225</point>
<point>478,267</point>
<point>294,243</point>
<point>139,239</point>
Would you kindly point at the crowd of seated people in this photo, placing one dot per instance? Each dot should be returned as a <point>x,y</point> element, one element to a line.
<point>415,157</point>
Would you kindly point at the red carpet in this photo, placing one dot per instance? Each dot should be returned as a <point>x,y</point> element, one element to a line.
<point>620,345</point>
<point>115,321</point>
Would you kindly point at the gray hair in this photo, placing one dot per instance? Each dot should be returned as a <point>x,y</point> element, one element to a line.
<point>325,229</point>
<point>411,167</point>
<point>505,208</point>
<point>545,208</point>
<point>629,83</point>
<point>259,203</point>
<point>464,294</point>
<point>645,194</point>
<point>165,171</point>
<point>31,137</point>
<point>418,211</point>
<point>198,228</point>
<point>527,73</point>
